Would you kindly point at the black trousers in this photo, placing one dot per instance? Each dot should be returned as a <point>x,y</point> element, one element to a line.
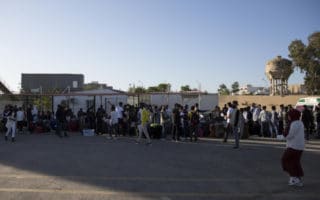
<point>61,127</point>
<point>227,132</point>
<point>176,132</point>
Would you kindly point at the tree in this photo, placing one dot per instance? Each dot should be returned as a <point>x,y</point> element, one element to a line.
<point>43,103</point>
<point>94,86</point>
<point>140,90</point>
<point>223,90</point>
<point>185,88</point>
<point>235,87</point>
<point>164,87</point>
<point>153,89</point>
<point>132,89</point>
<point>307,59</point>
<point>137,90</point>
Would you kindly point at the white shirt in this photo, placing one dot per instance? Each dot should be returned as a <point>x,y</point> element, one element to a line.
<point>255,114</point>
<point>245,116</point>
<point>263,116</point>
<point>20,115</point>
<point>163,116</point>
<point>119,111</point>
<point>11,121</point>
<point>114,117</point>
<point>229,114</point>
<point>274,116</point>
<point>295,138</point>
<point>34,111</point>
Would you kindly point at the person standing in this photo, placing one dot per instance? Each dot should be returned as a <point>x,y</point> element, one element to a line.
<point>242,121</point>
<point>317,117</point>
<point>176,118</point>
<point>281,115</point>
<point>185,129</point>
<point>20,119</point>
<point>249,121</point>
<point>34,113</point>
<point>274,122</point>
<point>285,121</point>
<point>30,119</point>
<point>61,121</point>
<point>143,127</point>
<point>307,120</point>
<point>164,118</point>
<point>11,124</point>
<point>295,143</point>
<point>5,115</point>
<point>119,110</point>
<point>234,122</point>
<point>264,121</point>
<point>99,116</point>
<point>81,118</point>
<point>113,122</point>
<point>90,118</point>
<point>255,117</point>
<point>224,110</point>
<point>194,123</point>
<point>228,125</point>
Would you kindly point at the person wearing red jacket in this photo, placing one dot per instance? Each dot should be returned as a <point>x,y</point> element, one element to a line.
<point>295,143</point>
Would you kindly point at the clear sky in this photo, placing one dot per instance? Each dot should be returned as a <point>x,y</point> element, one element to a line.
<point>147,42</point>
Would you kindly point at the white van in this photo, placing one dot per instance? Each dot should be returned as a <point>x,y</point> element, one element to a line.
<point>311,102</point>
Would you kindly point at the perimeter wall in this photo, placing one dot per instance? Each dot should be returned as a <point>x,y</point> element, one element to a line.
<point>246,100</point>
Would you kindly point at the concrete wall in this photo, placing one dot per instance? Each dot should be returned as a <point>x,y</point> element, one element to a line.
<point>205,101</point>
<point>268,101</point>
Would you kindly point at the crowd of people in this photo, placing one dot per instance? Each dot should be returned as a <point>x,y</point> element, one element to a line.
<point>293,125</point>
<point>122,120</point>
<point>179,123</point>
<point>273,122</point>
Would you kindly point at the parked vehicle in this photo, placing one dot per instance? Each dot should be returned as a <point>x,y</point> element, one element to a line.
<point>311,102</point>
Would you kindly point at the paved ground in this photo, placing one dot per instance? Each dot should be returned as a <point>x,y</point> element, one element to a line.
<point>48,167</point>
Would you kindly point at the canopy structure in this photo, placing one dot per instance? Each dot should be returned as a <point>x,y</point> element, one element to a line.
<point>4,88</point>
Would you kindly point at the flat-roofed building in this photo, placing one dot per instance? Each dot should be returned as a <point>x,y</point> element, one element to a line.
<point>51,83</point>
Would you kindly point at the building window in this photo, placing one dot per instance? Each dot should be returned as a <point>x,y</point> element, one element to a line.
<point>75,84</point>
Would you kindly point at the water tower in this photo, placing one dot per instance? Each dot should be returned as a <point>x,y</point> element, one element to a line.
<point>278,71</point>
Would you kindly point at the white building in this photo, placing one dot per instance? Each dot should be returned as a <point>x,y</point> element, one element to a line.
<point>91,99</point>
<point>206,101</point>
<point>249,89</point>
<point>108,97</point>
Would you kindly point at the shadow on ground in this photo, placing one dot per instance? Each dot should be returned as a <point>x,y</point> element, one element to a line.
<point>48,167</point>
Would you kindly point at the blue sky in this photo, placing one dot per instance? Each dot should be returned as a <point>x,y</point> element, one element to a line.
<point>147,42</point>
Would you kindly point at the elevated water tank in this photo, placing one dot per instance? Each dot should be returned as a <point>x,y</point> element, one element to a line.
<point>278,71</point>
